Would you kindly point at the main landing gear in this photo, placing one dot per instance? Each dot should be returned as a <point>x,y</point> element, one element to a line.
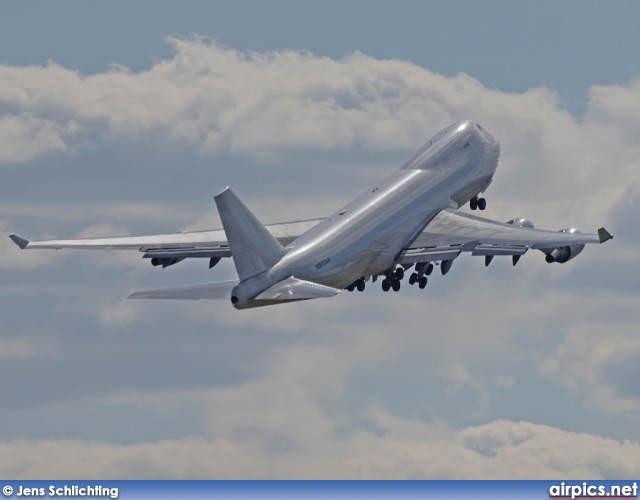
<point>422,269</point>
<point>358,284</point>
<point>477,203</point>
<point>392,280</point>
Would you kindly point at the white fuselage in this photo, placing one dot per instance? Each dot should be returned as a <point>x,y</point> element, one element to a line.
<point>365,237</point>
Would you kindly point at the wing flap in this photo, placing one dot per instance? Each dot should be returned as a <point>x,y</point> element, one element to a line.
<point>186,253</point>
<point>498,250</point>
<point>415,255</point>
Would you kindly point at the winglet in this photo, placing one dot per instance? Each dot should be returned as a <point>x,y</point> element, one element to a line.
<point>604,235</point>
<point>20,241</point>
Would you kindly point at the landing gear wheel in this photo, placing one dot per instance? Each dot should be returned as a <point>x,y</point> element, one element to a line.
<point>360,285</point>
<point>396,285</point>
<point>399,273</point>
<point>423,282</point>
<point>385,285</point>
<point>413,278</point>
<point>473,203</point>
<point>429,269</point>
<point>482,203</point>
<point>350,288</point>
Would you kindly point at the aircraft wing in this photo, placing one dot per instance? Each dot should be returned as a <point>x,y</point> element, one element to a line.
<point>451,232</point>
<point>209,244</point>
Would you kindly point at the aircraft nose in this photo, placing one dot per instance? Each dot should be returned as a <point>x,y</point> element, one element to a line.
<point>465,126</point>
<point>486,136</point>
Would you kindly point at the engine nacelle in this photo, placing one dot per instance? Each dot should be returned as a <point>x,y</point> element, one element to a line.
<point>564,254</point>
<point>521,223</point>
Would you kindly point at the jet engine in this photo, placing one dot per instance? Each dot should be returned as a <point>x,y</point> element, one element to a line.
<point>564,254</point>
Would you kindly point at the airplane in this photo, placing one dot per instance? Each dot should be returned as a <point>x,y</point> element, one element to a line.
<point>411,218</point>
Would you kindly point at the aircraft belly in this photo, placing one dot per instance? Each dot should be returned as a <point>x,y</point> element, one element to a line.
<point>343,270</point>
<point>371,254</point>
<point>468,191</point>
<point>366,236</point>
<point>370,244</point>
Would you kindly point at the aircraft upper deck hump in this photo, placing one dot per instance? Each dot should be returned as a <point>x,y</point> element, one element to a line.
<point>440,141</point>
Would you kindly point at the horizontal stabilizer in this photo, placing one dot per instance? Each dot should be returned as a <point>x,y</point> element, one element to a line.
<point>19,240</point>
<point>219,290</point>
<point>295,289</point>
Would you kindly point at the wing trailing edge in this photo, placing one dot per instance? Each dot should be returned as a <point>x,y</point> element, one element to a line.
<point>207,244</point>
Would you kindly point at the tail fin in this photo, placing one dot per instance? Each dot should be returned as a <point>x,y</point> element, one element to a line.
<point>253,248</point>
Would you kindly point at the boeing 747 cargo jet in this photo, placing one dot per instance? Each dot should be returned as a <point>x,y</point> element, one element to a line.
<point>410,219</point>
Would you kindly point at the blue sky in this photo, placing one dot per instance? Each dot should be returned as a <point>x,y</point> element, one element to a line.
<point>127,118</point>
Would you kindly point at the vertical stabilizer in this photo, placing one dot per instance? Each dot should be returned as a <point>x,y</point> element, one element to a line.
<point>253,248</point>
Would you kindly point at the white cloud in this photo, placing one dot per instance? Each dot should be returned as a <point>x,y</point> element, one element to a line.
<point>504,382</point>
<point>617,106</point>
<point>599,361</point>
<point>51,216</point>
<point>12,257</point>
<point>404,449</point>
<point>24,137</point>
<point>215,97</point>
<point>219,99</point>
<point>17,348</point>
<point>122,210</point>
<point>458,333</point>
